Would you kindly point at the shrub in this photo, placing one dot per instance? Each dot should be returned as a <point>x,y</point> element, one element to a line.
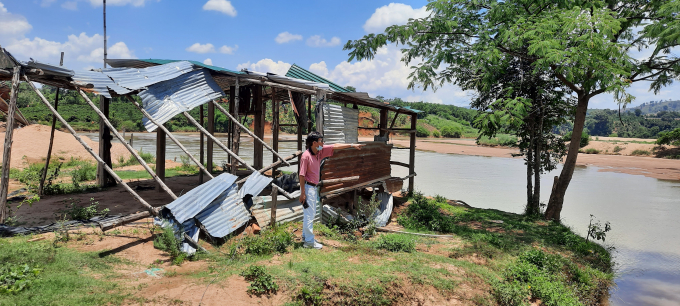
<point>310,296</point>
<point>77,212</point>
<point>669,138</point>
<point>271,240</point>
<point>503,140</point>
<point>640,153</point>
<point>261,282</point>
<point>618,149</point>
<point>585,138</point>
<point>83,173</point>
<point>15,278</point>
<point>592,151</point>
<point>168,242</point>
<point>451,132</point>
<point>421,131</point>
<point>436,134</point>
<point>396,243</point>
<point>614,134</point>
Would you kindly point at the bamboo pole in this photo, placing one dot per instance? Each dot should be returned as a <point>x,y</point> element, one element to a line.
<point>236,134</point>
<point>272,221</point>
<point>202,141</point>
<point>412,152</point>
<point>108,169</point>
<point>160,126</point>
<point>7,152</point>
<point>224,111</point>
<point>274,165</point>
<point>49,148</point>
<point>127,146</point>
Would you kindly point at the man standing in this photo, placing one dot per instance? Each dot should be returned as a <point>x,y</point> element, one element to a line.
<point>310,168</point>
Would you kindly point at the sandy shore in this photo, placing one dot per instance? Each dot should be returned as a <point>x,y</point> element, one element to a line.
<point>660,168</point>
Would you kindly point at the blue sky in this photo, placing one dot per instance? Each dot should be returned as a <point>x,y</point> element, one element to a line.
<point>266,36</point>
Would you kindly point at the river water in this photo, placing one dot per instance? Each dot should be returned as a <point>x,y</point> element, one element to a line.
<point>644,212</point>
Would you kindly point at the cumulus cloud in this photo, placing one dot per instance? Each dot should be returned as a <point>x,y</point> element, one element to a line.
<point>319,68</point>
<point>266,65</point>
<point>392,14</point>
<point>12,25</point>
<point>137,3</point>
<point>118,50</point>
<point>318,41</point>
<point>228,50</point>
<point>286,37</point>
<point>201,49</point>
<point>70,5</point>
<point>222,6</point>
<point>208,61</point>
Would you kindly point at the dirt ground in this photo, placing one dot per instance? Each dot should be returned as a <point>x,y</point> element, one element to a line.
<point>660,168</point>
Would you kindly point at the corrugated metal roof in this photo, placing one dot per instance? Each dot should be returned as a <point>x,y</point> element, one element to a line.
<point>255,183</point>
<point>183,93</point>
<point>143,63</point>
<point>311,85</point>
<point>7,60</point>
<point>49,69</point>
<point>101,82</point>
<point>340,124</point>
<point>139,78</point>
<point>298,72</point>
<point>189,228</point>
<point>191,203</point>
<point>224,215</point>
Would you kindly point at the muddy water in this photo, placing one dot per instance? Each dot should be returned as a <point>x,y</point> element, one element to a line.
<point>644,212</point>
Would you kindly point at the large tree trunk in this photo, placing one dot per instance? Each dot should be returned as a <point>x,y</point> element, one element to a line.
<point>529,159</point>
<point>537,165</point>
<point>557,197</point>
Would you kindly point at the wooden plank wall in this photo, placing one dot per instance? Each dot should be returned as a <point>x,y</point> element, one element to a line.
<point>369,163</point>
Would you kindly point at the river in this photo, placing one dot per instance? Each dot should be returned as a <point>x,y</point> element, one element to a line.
<point>644,212</point>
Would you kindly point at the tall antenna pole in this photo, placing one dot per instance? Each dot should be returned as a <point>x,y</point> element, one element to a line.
<point>104,33</point>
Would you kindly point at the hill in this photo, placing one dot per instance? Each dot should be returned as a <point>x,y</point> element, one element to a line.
<point>653,107</point>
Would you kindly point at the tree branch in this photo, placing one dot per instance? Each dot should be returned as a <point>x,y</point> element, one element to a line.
<point>564,80</point>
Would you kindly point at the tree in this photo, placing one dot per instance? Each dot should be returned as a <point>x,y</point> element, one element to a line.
<point>638,112</point>
<point>584,44</point>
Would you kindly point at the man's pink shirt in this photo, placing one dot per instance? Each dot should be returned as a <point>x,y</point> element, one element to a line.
<point>310,165</point>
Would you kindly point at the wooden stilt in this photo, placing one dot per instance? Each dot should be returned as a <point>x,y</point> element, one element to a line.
<point>211,130</point>
<point>201,152</point>
<point>106,167</point>
<point>7,152</point>
<point>236,133</point>
<point>412,153</point>
<point>172,137</point>
<point>275,129</point>
<point>132,151</point>
<point>309,113</point>
<point>160,156</point>
<point>258,127</point>
<point>275,195</point>
<point>103,179</point>
<point>383,122</point>
<point>49,148</point>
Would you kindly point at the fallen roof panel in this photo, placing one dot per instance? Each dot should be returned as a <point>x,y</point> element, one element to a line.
<point>298,72</point>
<point>101,82</point>
<point>139,78</point>
<point>194,201</point>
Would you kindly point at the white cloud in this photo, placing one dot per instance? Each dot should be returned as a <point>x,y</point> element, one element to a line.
<point>222,6</point>
<point>118,51</point>
<point>201,49</point>
<point>208,61</point>
<point>70,5</point>
<point>318,41</point>
<point>46,3</point>
<point>266,65</point>
<point>392,14</point>
<point>12,25</point>
<point>137,3</point>
<point>319,68</point>
<point>228,50</point>
<point>285,37</point>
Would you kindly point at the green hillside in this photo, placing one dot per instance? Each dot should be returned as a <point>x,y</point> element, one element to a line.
<point>654,107</point>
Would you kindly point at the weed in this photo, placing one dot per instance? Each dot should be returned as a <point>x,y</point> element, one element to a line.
<point>396,243</point>
<point>168,242</point>
<point>639,152</point>
<point>132,160</point>
<point>77,212</point>
<point>14,278</point>
<point>83,173</point>
<point>310,296</point>
<point>592,151</point>
<point>271,240</point>
<point>596,230</point>
<point>503,140</point>
<point>618,149</point>
<point>261,282</point>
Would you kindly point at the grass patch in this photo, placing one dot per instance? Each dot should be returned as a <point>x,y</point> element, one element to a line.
<point>132,160</point>
<point>396,243</point>
<point>502,140</point>
<point>639,152</point>
<point>261,282</point>
<point>590,151</point>
<point>74,211</point>
<point>618,149</point>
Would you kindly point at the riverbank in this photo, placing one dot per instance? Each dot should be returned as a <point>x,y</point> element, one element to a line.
<point>660,168</point>
<point>490,257</point>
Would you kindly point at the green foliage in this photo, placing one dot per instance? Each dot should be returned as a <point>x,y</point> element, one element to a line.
<point>618,149</point>
<point>74,211</point>
<point>83,173</point>
<point>396,243</point>
<point>261,282</point>
<point>596,230</point>
<point>585,138</point>
<point>605,122</point>
<point>421,131</point>
<point>271,240</point>
<point>452,132</point>
<point>310,296</point>
<point>639,152</point>
<point>167,241</point>
<point>669,138</point>
<point>592,151</point>
<point>15,278</point>
<point>503,140</point>
<point>436,134</point>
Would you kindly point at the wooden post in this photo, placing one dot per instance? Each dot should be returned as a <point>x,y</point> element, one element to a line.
<point>49,148</point>
<point>211,130</point>
<point>258,127</point>
<point>230,143</point>
<point>275,194</point>
<point>412,152</point>
<point>7,152</point>
<point>160,156</point>
<point>383,122</point>
<point>201,150</point>
<point>236,134</point>
<point>103,178</point>
<point>275,128</point>
<point>309,113</point>
<point>299,134</point>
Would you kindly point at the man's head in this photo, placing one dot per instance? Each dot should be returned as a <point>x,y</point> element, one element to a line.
<point>314,140</point>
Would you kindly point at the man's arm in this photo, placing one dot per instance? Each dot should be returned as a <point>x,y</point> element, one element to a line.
<point>347,145</point>
<point>303,196</point>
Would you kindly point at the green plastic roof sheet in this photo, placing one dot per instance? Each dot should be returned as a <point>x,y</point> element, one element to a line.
<point>298,72</point>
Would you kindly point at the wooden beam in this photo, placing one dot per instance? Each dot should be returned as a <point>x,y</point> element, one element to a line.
<point>236,134</point>
<point>211,130</point>
<point>275,194</point>
<point>258,127</point>
<point>338,180</point>
<point>309,113</point>
<point>160,156</point>
<point>412,153</point>
<point>103,178</point>
<point>396,114</point>
<point>392,162</point>
<point>201,151</point>
<point>49,148</point>
<point>7,150</point>
<point>275,130</point>
<point>383,122</point>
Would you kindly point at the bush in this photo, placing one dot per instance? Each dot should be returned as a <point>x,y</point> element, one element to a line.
<point>168,242</point>
<point>592,151</point>
<point>451,132</point>
<point>261,282</point>
<point>271,240</point>
<point>83,173</point>
<point>311,296</point>
<point>396,243</point>
<point>503,140</point>
<point>641,153</point>
<point>15,278</point>
<point>436,134</point>
<point>614,134</point>
<point>618,149</point>
<point>423,214</point>
<point>77,212</point>
<point>421,131</point>
<point>669,138</point>
<point>585,138</point>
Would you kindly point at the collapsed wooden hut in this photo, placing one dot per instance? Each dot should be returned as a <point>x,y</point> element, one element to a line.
<point>169,88</point>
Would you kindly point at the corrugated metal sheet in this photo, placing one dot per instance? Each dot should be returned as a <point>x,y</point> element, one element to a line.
<point>255,183</point>
<point>298,72</point>
<point>167,99</point>
<point>384,212</point>
<point>311,85</point>
<point>224,215</point>
<point>189,228</point>
<point>286,210</point>
<point>101,82</point>
<point>49,69</point>
<point>7,60</point>
<point>340,124</point>
<point>139,78</point>
<point>144,63</point>
<point>191,203</point>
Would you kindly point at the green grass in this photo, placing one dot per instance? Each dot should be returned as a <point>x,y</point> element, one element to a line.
<point>67,277</point>
<point>451,128</point>
<point>590,151</point>
<point>132,160</point>
<point>503,140</point>
<point>639,152</point>
<point>142,174</point>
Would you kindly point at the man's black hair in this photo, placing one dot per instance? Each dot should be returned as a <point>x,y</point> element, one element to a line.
<point>312,137</point>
